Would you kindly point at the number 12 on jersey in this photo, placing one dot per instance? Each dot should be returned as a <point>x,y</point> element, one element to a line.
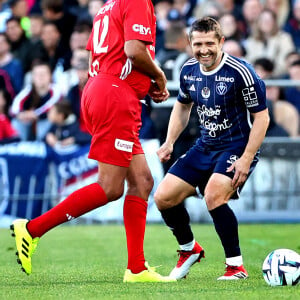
<point>98,43</point>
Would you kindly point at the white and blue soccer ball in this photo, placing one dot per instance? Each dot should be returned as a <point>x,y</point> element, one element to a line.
<point>282,267</point>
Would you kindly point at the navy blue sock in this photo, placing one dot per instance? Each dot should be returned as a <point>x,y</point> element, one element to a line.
<point>226,226</point>
<point>178,220</point>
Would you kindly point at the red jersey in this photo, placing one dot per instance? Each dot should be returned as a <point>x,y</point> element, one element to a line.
<point>116,22</point>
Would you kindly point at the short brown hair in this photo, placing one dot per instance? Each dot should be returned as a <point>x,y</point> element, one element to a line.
<point>64,107</point>
<point>206,24</point>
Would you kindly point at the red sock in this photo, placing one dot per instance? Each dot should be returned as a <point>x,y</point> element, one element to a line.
<point>75,205</point>
<point>135,211</point>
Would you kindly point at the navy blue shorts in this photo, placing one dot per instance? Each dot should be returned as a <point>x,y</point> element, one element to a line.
<point>197,165</point>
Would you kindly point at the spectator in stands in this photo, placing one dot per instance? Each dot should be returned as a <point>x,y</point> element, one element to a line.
<point>10,65</point>
<point>94,6</point>
<point>36,26</point>
<point>80,35</point>
<point>78,42</point>
<point>81,11</point>
<point>20,9</point>
<point>52,50</point>
<point>264,67</point>
<point>21,46</point>
<point>285,114</point>
<point>65,130</point>
<point>69,78</point>
<point>281,9</point>
<point>291,57</point>
<point>53,10</point>
<point>176,42</point>
<point>231,7</point>
<point>80,66</point>
<point>208,8</point>
<point>5,14</point>
<point>269,41</point>
<point>7,133</point>
<point>233,47</point>
<point>293,24</point>
<point>185,9</point>
<point>292,94</point>
<point>29,108</point>
<point>251,10</point>
<point>279,110</point>
<point>162,8</point>
<point>230,27</point>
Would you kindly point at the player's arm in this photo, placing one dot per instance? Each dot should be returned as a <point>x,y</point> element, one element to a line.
<point>178,121</point>
<point>256,137</point>
<point>141,59</point>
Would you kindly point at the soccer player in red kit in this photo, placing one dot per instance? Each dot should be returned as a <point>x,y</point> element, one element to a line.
<point>122,72</point>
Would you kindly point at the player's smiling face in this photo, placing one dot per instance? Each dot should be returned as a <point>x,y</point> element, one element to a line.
<point>207,49</point>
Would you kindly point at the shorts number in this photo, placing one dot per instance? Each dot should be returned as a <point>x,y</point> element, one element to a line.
<point>98,44</point>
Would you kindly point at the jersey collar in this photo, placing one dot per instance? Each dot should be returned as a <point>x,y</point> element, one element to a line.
<point>222,62</point>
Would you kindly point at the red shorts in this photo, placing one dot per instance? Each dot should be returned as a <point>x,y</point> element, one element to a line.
<point>112,114</point>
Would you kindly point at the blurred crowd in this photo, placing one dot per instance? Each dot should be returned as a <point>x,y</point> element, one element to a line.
<point>44,64</point>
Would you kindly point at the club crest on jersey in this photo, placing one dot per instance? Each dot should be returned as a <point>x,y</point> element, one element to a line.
<point>221,88</point>
<point>205,92</point>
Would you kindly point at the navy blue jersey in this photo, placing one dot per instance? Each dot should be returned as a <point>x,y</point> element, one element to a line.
<point>224,98</point>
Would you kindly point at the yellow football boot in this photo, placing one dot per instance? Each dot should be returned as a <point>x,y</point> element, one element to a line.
<point>26,245</point>
<point>148,275</point>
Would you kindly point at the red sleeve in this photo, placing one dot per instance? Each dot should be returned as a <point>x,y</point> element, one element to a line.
<point>139,20</point>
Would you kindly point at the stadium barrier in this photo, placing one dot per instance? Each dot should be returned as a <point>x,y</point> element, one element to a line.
<point>33,178</point>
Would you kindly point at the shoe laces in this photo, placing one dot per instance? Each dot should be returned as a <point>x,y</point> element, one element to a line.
<point>151,269</point>
<point>183,255</point>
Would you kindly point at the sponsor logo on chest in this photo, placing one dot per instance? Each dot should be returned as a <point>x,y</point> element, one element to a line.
<point>224,79</point>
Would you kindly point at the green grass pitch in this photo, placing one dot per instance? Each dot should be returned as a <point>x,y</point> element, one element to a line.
<point>88,262</point>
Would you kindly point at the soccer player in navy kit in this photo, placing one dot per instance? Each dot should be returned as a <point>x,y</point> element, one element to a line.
<point>227,93</point>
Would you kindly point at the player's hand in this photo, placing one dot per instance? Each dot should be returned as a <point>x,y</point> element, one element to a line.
<point>157,95</point>
<point>164,152</point>
<point>241,169</point>
<point>158,89</point>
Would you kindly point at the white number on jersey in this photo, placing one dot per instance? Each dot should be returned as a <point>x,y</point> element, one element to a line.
<point>98,43</point>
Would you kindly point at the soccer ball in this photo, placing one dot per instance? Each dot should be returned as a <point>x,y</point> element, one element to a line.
<point>282,267</point>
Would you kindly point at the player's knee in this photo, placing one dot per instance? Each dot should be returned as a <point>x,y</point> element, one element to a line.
<point>113,192</point>
<point>162,200</point>
<point>148,184</point>
<point>142,187</point>
<point>214,200</point>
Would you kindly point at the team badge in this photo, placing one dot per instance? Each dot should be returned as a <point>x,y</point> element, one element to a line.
<point>221,88</point>
<point>205,92</point>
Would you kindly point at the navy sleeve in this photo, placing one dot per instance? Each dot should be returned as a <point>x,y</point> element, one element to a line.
<point>254,94</point>
<point>183,94</point>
